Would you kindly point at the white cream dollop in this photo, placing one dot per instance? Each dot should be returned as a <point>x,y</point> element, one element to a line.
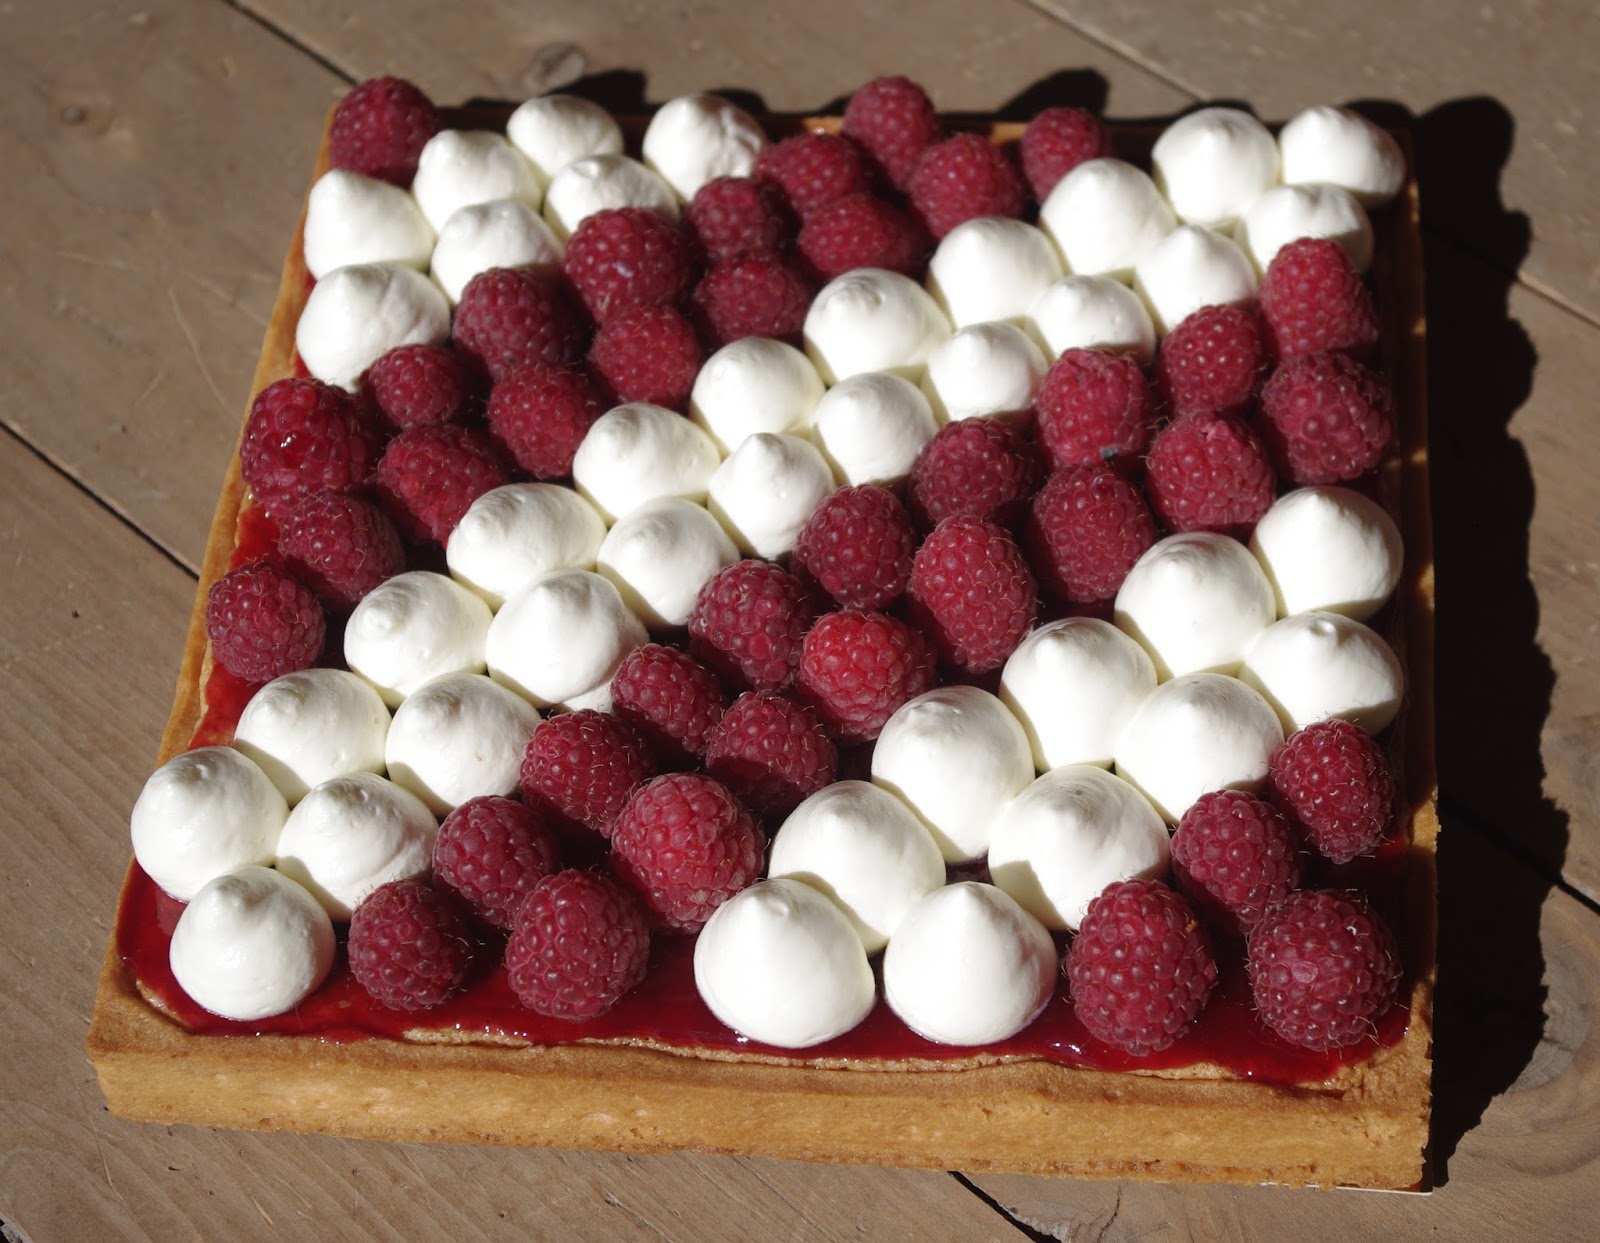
<point>660,554</point>
<point>352,834</point>
<point>512,534</point>
<point>697,138</point>
<point>872,426</point>
<point>354,315</point>
<point>458,737</point>
<point>985,371</point>
<point>204,813</point>
<point>412,628</point>
<point>1190,268</point>
<point>356,219</point>
<point>306,727</point>
<point>559,640</point>
<point>754,385</point>
<point>458,167</point>
<point>1329,549</point>
<point>1104,216</point>
<point>554,130</point>
<point>251,944</point>
<point>766,489</point>
<point>780,964</point>
<point>503,233</point>
<point>873,320</point>
<point>969,966</point>
<point>1286,214</point>
<point>862,847</point>
<point>604,183</point>
<point>1317,666</point>
<point>1342,148</point>
<point>954,755</point>
<point>637,452</point>
<point>991,268</point>
<point>1093,313</point>
<point>1212,164</point>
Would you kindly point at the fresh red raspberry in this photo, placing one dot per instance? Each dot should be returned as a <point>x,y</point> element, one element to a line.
<point>857,546</point>
<point>686,845</point>
<point>340,546</point>
<point>813,170</point>
<point>894,121</point>
<point>581,943</point>
<point>510,317</point>
<point>771,751</point>
<point>856,668</point>
<point>263,623</point>
<point>1211,362</point>
<point>1140,968</point>
<point>647,353</point>
<point>490,852</point>
<point>626,257</point>
<point>1094,406</point>
<point>670,698</point>
<point>1087,527</point>
<point>972,593</point>
<point>583,765</point>
<point>380,128</point>
<point>862,230</point>
<point>410,945</point>
<point>1313,301</point>
<point>1327,418</point>
<point>962,178</point>
<point>1210,472</point>
<point>1056,141</point>
<point>1323,967</point>
<point>981,467</point>
<point>1234,857</point>
<point>430,475</point>
<point>757,295</point>
<point>749,621</point>
<point>303,436</point>
<point>1335,785</point>
<point>416,384</point>
<point>731,217</point>
<point>540,414</point>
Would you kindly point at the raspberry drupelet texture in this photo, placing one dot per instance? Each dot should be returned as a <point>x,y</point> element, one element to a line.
<point>340,546</point>
<point>964,177</point>
<point>813,169</point>
<point>760,294</point>
<point>1234,857</point>
<point>304,436</point>
<point>263,623</point>
<point>1323,968</point>
<point>491,852</point>
<point>1056,141</point>
<point>730,217</point>
<point>1210,472</point>
<point>626,257</point>
<point>1140,968</point>
<point>1327,419</point>
<point>416,384</point>
<point>510,317</point>
<point>862,230</point>
<point>540,414</point>
<point>1212,362</point>
<point>894,121</point>
<point>980,467</point>
<point>856,668</point>
<point>583,766</point>
<point>771,751</point>
<point>857,546</point>
<point>1334,783</point>
<point>670,698</point>
<point>380,128</point>
<point>580,944</point>
<point>647,353</point>
<point>686,845</point>
<point>1086,528</point>
<point>410,945</point>
<point>972,593</point>
<point>1313,301</point>
<point>749,621</point>
<point>1094,406</point>
<point>429,476</point>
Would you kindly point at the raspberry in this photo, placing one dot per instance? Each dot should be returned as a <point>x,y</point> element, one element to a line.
<point>1327,418</point>
<point>1234,857</point>
<point>862,231</point>
<point>1211,362</point>
<point>581,943</point>
<point>583,765</point>
<point>1322,967</point>
<point>972,593</point>
<point>813,170</point>
<point>410,945</point>
<point>757,295</point>
<point>303,436</point>
<point>856,668</point>
<point>1056,141</point>
<point>340,546</point>
<point>1140,968</point>
<point>1209,472</point>
<point>263,623</point>
<point>490,852</point>
<point>962,178</point>
<point>430,475</point>
<point>1087,527</point>
<point>686,845</point>
<point>1094,407</point>
<point>749,621</point>
<point>541,413</point>
<point>1313,301</point>
<point>647,353</point>
<point>380,128</point>
<point>510,317</point>
<point>416,384</point>
<point>857,546</point>
<point>626,257</point>
<point>980,467</point>
<point>670,698</point>
<point>771,752</point>
<point>731,217</point>
<point>1335,785</point>
<point>894,121</point>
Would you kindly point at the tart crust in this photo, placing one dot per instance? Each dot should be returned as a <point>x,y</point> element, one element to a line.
<point>1366,1127</point>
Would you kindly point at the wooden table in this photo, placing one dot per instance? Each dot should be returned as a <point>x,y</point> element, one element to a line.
<point>155,156</point>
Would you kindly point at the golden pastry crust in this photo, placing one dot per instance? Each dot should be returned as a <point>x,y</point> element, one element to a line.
<point>1367,1126</point>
